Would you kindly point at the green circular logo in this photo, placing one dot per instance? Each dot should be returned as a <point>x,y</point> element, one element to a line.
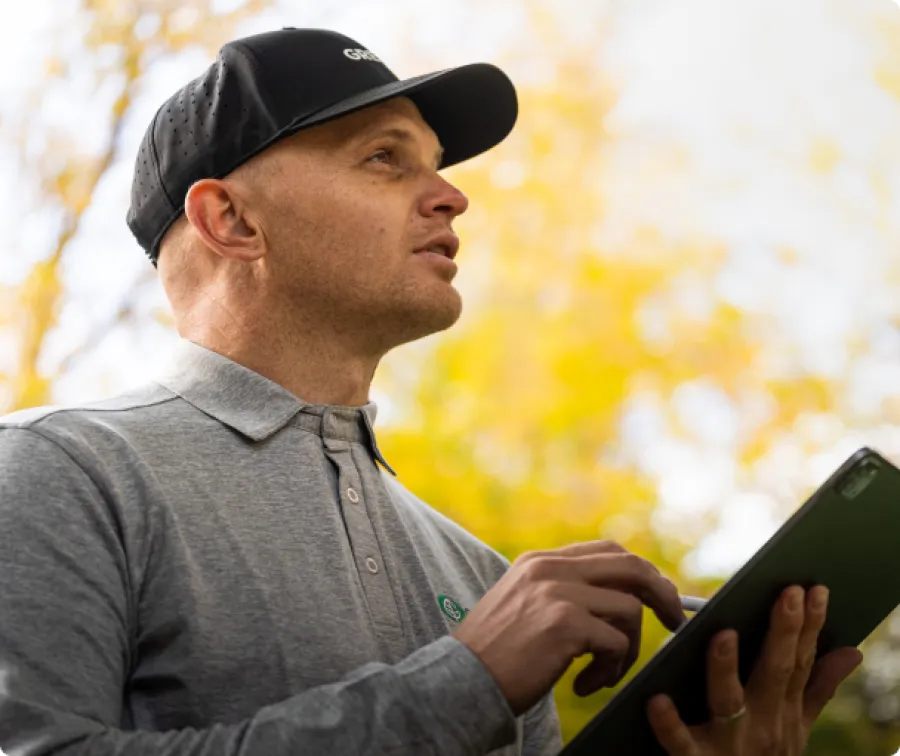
<point>452,608</point>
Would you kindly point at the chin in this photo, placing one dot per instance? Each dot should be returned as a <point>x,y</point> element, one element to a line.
<point>427,317</point>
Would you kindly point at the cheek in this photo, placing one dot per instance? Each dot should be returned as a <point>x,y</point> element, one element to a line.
<point>357,232</point>
<point>381,238</point>
<point>371,232</point>
<point>361,247</point>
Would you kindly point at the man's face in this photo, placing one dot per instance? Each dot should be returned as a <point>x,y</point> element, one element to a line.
<point>347,209</point>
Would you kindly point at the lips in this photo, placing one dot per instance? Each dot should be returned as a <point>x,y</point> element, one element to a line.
<point>445,244</point>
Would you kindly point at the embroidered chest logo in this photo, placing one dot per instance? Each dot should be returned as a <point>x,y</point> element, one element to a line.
<point>452,608</point>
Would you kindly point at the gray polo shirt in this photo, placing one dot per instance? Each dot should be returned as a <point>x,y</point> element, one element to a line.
<point>209,566</point>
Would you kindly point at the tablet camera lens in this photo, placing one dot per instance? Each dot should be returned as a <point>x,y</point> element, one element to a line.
<point>858,479</point>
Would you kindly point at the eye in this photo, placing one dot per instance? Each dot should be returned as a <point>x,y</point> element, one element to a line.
<point>383,155</point>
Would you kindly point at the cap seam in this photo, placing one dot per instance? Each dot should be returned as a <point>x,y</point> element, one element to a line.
<point>159,177</point>
<point>256,64</point>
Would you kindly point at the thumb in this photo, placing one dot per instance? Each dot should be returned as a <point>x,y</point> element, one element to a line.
<point>828,673</point>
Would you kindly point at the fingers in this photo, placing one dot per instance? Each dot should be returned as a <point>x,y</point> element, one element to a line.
<point>671,732</point>
<point>621,610</point>
<point>586,548</point>
<point>769,681</point>
<point>617,606</point>
<point>828,673</point>
<point>582,548</point>
<point>609,646</point>
<point>606,564</point>
<point>604,671</point>
<point>813,621</point>
<point>725,696</point>
<point>591,597</point>
<point>631,573</point>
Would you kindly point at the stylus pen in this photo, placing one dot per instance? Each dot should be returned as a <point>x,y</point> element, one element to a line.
<point>692,603</point>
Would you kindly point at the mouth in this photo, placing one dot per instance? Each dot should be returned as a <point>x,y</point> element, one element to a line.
<point>445,245</point>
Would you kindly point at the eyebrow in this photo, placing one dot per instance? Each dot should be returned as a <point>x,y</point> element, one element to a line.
<point>404,135</point>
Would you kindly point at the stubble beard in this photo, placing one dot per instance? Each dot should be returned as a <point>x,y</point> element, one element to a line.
<point>419,316</point>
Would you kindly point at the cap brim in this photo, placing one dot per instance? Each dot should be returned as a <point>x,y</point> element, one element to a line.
<point>471,108</point>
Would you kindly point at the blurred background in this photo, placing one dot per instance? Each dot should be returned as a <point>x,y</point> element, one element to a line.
<point>681,271</point>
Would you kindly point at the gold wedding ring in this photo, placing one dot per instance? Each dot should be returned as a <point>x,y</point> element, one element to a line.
<point>731,717</point>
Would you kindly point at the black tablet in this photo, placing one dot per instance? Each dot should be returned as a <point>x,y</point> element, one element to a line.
<point>846,537</point>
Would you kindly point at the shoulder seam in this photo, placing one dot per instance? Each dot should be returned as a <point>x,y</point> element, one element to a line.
<point>60,410</point>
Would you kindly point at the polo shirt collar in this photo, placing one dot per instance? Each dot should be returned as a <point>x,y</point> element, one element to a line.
<point>242,399</point>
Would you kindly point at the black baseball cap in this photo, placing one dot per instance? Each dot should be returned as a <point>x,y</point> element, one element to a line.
<point>267,86</point>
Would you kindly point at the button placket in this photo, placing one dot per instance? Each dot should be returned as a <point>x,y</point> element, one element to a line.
<point>363,541</point>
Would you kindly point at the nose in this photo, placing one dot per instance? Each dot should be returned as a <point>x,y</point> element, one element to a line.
<point>442,198</point>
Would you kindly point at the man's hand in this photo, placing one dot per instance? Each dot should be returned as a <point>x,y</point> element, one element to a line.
<point>784,696</point>
<point>554,606</point>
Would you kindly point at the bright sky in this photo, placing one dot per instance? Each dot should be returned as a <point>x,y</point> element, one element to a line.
<point>737,91</point>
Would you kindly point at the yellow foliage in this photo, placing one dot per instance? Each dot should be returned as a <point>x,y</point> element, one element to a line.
<point>36,313</point>
<point>887,73</point>
<point>824,155</point>
<point>889,80</point>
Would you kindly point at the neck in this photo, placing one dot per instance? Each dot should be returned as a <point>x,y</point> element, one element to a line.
<point>314,365</point>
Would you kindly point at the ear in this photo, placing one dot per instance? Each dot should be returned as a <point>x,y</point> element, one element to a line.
<point>221,219</point>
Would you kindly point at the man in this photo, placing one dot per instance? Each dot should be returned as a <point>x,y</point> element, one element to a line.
<point>216,564</point>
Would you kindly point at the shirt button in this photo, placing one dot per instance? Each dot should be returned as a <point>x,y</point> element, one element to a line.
<point>372,565</point>
<point>352,495</point>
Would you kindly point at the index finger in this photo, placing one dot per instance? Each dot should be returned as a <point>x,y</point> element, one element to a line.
<point>585,548</point>
<point>630,573</point>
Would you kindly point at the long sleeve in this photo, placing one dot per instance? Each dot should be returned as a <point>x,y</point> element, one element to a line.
<point>542,732</point>
<point>68,589</point>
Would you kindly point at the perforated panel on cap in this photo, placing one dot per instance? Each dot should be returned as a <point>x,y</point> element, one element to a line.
<point>204,130</point>
<point>207,129</point>
<point>146,185</point>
